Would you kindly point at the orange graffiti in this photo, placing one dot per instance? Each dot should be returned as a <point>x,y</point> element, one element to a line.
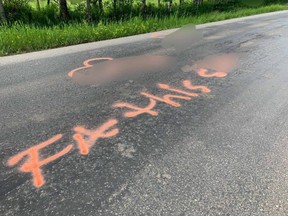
<point>203,73</point>
<point>33,163</point>
<point>187,84</point>
<point>166,98</point>
<point>84,145</point>
<point>167,87</point>
<point>138,110</point>
<point>87,65</point>
<point>157,35</point>
<point>86,138</point>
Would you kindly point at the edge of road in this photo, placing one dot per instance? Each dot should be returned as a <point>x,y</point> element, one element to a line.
<point>6,60</point>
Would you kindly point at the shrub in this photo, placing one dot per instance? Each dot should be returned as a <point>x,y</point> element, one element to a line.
<point>20,11</point>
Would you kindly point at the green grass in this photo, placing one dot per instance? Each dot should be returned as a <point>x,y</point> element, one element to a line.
<point>73,3</point>
<point>25,38</point>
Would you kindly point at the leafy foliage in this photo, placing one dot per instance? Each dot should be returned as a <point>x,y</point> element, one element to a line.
<point>21,11</point>
<point>24,38</point>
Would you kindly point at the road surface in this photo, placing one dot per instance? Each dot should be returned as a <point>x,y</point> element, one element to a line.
<point>218,149</point>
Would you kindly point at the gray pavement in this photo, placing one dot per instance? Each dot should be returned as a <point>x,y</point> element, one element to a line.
<point>221,153</point>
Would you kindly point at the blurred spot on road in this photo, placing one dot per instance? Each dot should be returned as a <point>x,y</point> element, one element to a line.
<point>182,39</point>
<point>98,73</point>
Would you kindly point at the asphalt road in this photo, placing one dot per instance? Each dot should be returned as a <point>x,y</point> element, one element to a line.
<point>224,152</point>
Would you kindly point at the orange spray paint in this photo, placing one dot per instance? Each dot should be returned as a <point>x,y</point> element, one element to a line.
<point>204,73</point>
<point>167,87</point>
<point>157,35</point>
<point>138,110</point>
<point>87,65</point>
<point>166,98</point>
<point>34,163</point>
<point>84,144</point>
<point>187,84</point>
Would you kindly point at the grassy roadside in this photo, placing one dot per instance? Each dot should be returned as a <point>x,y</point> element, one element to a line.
<point>24,38</point>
